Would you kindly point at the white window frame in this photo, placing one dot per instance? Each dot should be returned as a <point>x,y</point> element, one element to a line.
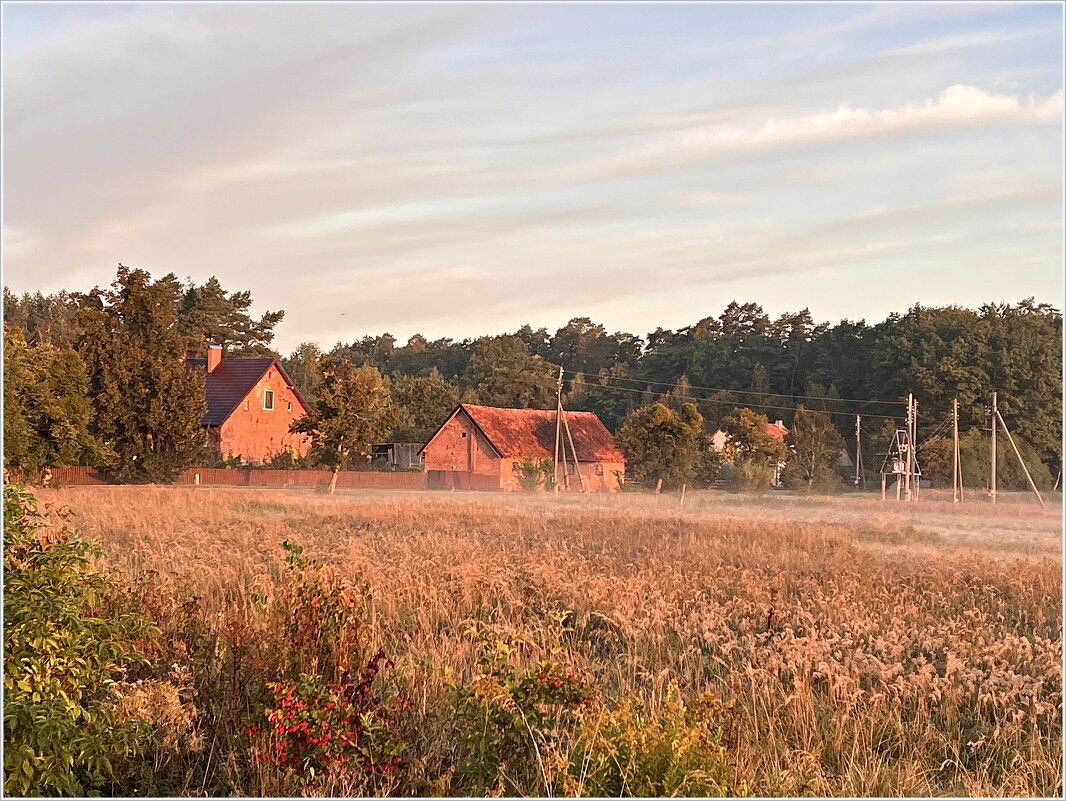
<point>268,393</point>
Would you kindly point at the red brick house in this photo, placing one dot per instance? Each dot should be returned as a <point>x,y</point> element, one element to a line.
<point>250,405</point>
<point>478,446</point>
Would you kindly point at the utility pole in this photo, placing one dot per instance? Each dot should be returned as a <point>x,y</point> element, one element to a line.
<point>558,427</point>
<point>859,473</point>
<point>956,475</point>
<point>910,445</point>
<point>1017,453</point>
<point>995,414</point>
<point>573,450</point>
<point>916,477</point>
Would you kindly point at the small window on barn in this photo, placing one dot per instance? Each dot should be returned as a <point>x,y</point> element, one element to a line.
<point>464,435</point>
<point>290,406</point>
<point>268,400</point>
<point>599,469</point>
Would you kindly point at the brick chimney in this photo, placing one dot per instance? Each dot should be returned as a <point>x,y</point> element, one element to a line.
<point>214,356</point>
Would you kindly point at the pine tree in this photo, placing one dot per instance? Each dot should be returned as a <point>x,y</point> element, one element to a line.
<point>148,404</point>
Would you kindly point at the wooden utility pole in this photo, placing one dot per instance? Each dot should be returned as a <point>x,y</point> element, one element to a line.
<point>558,427</point>
<point>910,445</point>
<point>573,450</point>
<point>1017,453</point>
<point>860,475</point>
<point>956,474</point>
<point>915,477</point>
<point>995,414</point>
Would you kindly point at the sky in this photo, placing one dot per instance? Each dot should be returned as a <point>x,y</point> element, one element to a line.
<point>462,169</point>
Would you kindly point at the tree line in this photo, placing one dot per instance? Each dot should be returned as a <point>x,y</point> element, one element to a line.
<point>97,377</point>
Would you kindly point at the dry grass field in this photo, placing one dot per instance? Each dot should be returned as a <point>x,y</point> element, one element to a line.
<point>841,646</point>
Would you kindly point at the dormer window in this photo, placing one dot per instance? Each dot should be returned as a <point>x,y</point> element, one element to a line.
<point>268,400</point>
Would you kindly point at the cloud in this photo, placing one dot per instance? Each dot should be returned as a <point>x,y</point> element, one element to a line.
<point>955,107</point>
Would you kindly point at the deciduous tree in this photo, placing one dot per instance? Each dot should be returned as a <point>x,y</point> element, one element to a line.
<point>353,411</point>
<point>47,412</point>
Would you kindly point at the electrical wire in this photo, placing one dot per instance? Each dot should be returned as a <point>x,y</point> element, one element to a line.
<point>699,399</point>
<point>737,391</point>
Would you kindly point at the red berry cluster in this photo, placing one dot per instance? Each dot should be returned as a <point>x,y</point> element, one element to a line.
<point>315,727</point>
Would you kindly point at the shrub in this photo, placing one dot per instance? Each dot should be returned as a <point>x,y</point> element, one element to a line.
<point>751,474</point>
<point>532,473</point>
<point>515,722</point>
<point>343,732</point>
<point>675,751</point>
<point>62,659</point>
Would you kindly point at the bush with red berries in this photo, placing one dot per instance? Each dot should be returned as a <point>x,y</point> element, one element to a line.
<point>342,732</point>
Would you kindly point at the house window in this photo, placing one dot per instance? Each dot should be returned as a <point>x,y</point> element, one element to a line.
<point>290,406</point>
<point>599,469</point>
<point>268,400</point>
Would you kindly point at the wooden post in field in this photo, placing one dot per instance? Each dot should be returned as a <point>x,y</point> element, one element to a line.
<point>682,494</point>
<point>658,486</point>
<point>995,414</point>
<point>1017,453</point>
<point>884,486</point>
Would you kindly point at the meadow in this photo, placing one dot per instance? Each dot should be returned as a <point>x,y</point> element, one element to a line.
<point>586,645</point>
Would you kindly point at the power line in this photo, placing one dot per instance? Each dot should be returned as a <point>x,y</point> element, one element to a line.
<point>697,398</point>
<point>738,391</point>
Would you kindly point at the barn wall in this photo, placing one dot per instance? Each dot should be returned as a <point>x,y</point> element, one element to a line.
<point>451,451</point>
<point>255,434</point>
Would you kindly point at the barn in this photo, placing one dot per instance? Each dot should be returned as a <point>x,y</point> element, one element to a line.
<point>477,447</point>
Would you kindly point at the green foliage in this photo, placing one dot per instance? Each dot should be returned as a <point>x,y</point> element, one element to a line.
<point>751,474</point>
<point>532,473</point>
<point>674,751</point>
<point>209,315</point>
<point>354,410</point>
<point>47,413</point>
<point>513,722</point>
<point>148,404</point>
<point>45,319</point>
<point>344,732</point>
<point>303,366</point>
<point>503,373</point>
<point>977,456</point>
<point>63,659</point>
<point>424,403</point>
<point>659,443</point>
<point>816,445</point>
<point>748,437</point>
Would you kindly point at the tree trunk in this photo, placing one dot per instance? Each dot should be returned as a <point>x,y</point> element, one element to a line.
<point>333,480</point>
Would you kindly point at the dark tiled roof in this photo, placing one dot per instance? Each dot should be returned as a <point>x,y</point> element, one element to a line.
<point>531,432</point>
<point>231,381</point>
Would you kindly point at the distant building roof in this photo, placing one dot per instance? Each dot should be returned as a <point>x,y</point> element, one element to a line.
<point>231,381</point>
<point>531,432</point>
<point>777,430</point>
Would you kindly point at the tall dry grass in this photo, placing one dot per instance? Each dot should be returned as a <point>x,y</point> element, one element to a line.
<point>870,649</point>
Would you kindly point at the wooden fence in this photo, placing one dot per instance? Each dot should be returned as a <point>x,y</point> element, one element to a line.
<point>220,477</point>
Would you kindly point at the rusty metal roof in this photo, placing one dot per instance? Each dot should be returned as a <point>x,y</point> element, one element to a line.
<point>531,432</point>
